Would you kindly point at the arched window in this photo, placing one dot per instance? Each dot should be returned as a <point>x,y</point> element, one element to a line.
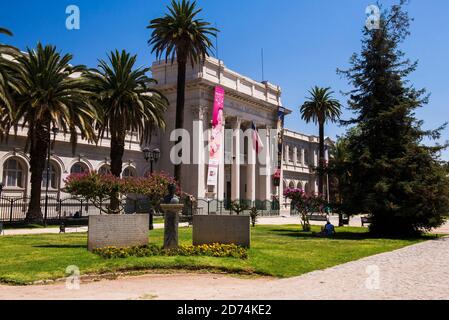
<point>307,188</point>
<point>129,172</point>
<point>79,167</point>
<point>53,175</point>
<point>299,185</point>
<point>13,174</point>
<point>104,170</point>
<point>291,185</point>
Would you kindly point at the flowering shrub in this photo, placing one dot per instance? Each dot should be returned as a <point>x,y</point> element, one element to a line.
<point>154,187</point>
<point>98,188</point>
<point>305,204</point>
<point>213,250</point>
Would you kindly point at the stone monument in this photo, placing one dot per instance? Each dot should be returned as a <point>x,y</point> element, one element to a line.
<point>171,208</point>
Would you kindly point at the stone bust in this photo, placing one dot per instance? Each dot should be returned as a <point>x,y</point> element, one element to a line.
<point>171,197</point>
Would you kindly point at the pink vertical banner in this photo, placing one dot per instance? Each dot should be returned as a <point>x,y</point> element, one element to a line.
<point>216,137</point>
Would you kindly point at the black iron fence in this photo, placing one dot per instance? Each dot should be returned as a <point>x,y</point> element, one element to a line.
<point>15,209</point>
<point>218,207</point>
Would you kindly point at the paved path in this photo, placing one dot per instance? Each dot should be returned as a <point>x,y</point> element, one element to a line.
<point>416,272</point>
<point>14,232</point>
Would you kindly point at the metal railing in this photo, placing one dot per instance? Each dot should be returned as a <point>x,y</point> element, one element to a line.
<point>15,209</point>
<point>224,207</point>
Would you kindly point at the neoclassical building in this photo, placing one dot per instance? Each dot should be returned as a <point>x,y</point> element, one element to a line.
<point>247,102</point>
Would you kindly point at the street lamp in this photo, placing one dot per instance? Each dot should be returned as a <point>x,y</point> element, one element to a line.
<point>151,156</point>
<point>55,131</point>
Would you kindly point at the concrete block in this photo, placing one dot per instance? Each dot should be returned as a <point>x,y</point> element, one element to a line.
<point>221,229</point>
<point>118,230</point>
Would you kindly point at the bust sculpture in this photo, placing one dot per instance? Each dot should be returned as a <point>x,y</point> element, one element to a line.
<point>171,197</point>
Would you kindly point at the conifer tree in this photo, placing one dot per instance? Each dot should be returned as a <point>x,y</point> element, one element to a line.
<point>394,177</point>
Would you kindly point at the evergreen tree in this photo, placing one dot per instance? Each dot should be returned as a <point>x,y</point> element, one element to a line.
<point>394,177</point>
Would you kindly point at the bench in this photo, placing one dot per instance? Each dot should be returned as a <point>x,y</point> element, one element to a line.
<point>366,220</point>
<point>70,223</point>
<point>317,217</point>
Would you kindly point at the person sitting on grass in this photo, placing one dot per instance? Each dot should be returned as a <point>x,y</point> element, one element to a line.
<point>329,229</point>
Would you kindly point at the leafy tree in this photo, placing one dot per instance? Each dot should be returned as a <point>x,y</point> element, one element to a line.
<point>48,92</point>
<point>320,108</point>
<point>184,37</point>
<point>126,103</point>
<point>394,177</point>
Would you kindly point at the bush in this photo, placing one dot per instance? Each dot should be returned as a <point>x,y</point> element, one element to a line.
<point>254,214</point>
<point>213,250</point>
<point>306,204</point>
<point>98,188</point>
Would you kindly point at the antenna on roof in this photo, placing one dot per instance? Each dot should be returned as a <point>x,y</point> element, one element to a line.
<point>216,42</point>
<point>263,71</point>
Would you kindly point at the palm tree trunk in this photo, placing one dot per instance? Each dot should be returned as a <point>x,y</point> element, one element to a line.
<point>180,101</point>
<point>117,151</point>
<point>321,160</point>
<point>38,155</point>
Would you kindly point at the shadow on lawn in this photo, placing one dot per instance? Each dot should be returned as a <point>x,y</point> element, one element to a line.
<point>341,235</point>
<point>62,246</point>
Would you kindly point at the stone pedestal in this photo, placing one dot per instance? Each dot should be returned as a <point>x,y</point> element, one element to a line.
<point>171,221</point>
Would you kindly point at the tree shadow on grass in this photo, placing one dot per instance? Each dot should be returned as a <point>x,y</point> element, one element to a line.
<point>340,235</point>
<point>61,246</point>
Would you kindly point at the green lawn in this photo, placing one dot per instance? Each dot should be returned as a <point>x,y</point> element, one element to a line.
<point>280,251</point>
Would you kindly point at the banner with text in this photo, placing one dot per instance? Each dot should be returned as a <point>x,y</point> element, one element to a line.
<point>216,137</point>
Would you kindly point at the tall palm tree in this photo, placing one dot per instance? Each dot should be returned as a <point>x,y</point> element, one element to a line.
<point>127,103</point>
<point>49,93</point>
<point>181,35</point>
<point>320,108</point>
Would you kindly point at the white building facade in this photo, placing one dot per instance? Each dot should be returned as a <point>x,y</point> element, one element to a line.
<point>246,102</point>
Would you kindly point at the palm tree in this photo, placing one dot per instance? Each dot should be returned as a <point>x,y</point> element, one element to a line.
<point>127,103</point>
<point>182,36</point>
<point>47,94</point>
<point>320,108</point>
<point>7,71</point>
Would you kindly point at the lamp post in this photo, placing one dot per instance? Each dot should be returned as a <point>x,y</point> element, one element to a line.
<point>151,156</point>
<point>55,131</point>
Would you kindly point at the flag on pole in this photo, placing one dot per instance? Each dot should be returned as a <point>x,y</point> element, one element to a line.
<point>257,142</point>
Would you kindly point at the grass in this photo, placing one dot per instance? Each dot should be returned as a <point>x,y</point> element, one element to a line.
<point>279,251</point>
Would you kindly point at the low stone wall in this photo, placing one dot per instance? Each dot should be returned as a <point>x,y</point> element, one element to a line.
<point>118,230</point>
<point>221,229</point>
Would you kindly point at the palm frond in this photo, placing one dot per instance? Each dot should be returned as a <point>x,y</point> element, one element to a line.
<point>180,34</point>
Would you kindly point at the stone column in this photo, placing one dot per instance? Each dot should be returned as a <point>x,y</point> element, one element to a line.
<point>295,156</point>
<point>303,156</point>
<point>201,177</point>
<point>287,154</point>
<point>235,192</point>
<point>267,185</point>
<point>251,172</point>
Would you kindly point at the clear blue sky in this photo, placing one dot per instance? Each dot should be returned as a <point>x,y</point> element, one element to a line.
<point>304,41</point>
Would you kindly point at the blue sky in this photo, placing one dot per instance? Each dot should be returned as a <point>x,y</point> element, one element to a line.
<point>304,41</point>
